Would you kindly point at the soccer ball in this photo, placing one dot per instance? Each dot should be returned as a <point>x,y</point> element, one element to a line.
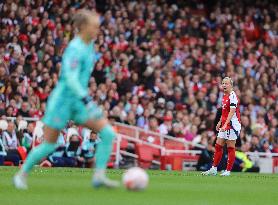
<point>135,179</point>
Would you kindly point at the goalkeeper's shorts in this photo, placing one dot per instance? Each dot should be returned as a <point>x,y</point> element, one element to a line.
<point>62,108</point>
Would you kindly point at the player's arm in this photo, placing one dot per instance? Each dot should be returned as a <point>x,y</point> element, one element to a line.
<point>72,63</point>
<point>218,118</point>
<point>219,124</point>
<point>231,113</point>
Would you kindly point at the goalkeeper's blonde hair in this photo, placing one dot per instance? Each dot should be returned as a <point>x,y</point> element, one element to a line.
<point>82,17</point>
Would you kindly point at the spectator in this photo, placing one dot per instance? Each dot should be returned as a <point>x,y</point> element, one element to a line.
<point>24,111</point>
<point>206,157</point>
<point>177,130</point>
<point>255,144</point>
<point>27,139</point>
<point>191,134</point>
<point>2,153</point>
<point>153,124</point>
<point>143,120</point>
<point>57,158</point>
<point>10,143</point>
<point>88,150</point>
<point>166,126</point>
<point>73,151</point>
<point>9,137</point>
<point>242,162</point>
<point>131,118</point>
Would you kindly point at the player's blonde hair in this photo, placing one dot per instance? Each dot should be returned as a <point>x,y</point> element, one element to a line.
<point>82,17</point>
<point>229,79</point>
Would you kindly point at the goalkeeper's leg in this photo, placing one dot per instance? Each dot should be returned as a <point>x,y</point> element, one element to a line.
<point>35,156</point>
<point>103,152</point>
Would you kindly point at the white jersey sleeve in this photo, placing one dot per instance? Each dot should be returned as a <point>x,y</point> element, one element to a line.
<point>233,100</point>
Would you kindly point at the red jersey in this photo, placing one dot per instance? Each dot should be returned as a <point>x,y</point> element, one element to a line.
<point>231,101</point>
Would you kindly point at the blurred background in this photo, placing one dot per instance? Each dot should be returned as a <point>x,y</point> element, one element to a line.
<point>160,66</point>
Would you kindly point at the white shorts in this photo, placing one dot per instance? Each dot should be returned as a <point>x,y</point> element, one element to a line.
<point>228,134</point>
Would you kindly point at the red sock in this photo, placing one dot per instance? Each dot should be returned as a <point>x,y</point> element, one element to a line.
<point>231,158</point>
<point>217,155</point>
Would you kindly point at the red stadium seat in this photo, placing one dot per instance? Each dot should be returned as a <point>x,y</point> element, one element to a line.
<point>145,136</point>
<point>145,155</point>
<point>275,150</point>
<point>156,140</point>
<point>22,152</point>
<point>156,152</point>
<point>126,131</point>
<point>123,146</point>
<point>275,165</point>
<point>8,163</point>
<point>175,162</point>
<point>170,144</point>
<point>110,164</point>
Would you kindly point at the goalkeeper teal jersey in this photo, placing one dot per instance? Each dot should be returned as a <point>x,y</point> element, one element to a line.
<point>65,102</point>
<point>77,65</point>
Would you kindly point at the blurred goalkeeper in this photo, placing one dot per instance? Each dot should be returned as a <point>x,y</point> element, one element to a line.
<point>70,100</point>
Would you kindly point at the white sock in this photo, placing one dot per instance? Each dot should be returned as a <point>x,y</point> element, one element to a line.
<point>99,173</point>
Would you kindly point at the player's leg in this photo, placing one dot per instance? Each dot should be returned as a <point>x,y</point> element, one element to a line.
<point>55,119</point>
<point>107,134</point>
<point>103,151</point>
<point>41,151</point>
<point>38,153</point>
<point>220,142</point>
<point>231,142</point>
<point>92,117</point>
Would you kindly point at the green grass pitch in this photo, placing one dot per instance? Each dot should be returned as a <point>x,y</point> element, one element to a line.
<point>59,186</point>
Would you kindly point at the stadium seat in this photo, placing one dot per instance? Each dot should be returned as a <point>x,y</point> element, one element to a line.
<point>145,155</point>
<point>170,144</point>
<point>123,146</point>
<point>155,139</point>
<point>275,165</point>
<point>126,131</point>
<point>8,163</point>
<point>22,152</point>
<point>275,150</point>
<point>156,152</point>
<point>110,164</point>
<point>171,162</point>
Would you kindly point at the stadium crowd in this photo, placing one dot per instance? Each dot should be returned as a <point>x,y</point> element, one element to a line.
<point>160,65</point>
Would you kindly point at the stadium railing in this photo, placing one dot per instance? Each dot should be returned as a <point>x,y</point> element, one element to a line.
<point>163,150</point>
<point>123,129</point>
<point>28,119</point>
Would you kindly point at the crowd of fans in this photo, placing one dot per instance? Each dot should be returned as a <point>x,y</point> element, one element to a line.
<point>159,65</point>
<point>75,146</point>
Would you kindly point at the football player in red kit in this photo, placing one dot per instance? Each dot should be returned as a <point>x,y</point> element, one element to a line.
<point>228,128</point>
